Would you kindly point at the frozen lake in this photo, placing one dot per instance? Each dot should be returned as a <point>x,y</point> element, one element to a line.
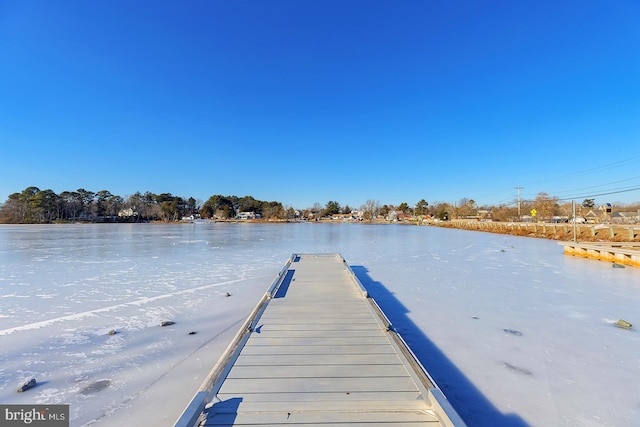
<point>514,332</point>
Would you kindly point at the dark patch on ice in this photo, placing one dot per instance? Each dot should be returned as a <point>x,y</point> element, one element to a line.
<point>192,333</point>
<point>614,265</point>
<point>513,332</point>
<point>96,387</point>
<point>27,385</point>
<point>518,369</point>
<point>167,323</point>
<point>475,317</point>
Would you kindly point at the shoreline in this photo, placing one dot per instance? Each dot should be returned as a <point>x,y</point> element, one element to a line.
<point>559,232</point>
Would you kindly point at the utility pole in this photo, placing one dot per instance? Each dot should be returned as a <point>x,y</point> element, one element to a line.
<point>575,223</point>
<point>519,188</point>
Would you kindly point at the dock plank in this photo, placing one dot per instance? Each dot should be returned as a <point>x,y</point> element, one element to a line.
<point>316,341</point>
<point>320,354</point>
<point>317,360</point>
<point>317,385</point>
<point>318,371</point>
<point>318,349</point>
<point>356,399</point>
<point>321,418</point>
<point>231,406</point>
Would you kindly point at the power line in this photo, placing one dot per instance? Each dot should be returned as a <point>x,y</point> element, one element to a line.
<point>591,191</point>
<point>602,189</point>
<point>601,185</point>
<point>575,190</point>
<point>626,190</point>
<point>587,196</point>
<point>592,188</point>
<point>586,171</point>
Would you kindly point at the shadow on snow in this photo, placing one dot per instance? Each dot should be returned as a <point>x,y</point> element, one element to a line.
<point>474,408</point>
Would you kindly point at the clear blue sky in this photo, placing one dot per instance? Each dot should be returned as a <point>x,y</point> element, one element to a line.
<point>311,101</point>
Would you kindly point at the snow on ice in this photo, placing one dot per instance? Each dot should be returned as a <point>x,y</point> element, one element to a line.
<point>514,332</point>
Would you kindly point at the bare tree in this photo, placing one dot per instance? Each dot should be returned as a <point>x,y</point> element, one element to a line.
<point>545,205</point>
<point>466,208</point>
<point>370,209</point>
<point>504,213</point>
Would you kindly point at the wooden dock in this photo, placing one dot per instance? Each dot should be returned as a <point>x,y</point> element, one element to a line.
<point>318,351</point>
<point>621,253</point>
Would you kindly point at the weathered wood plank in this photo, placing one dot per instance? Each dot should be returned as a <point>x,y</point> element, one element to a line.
<point>270,331</point>
<point>319,349</point>
<point>316,341</point>
<point>318,371</point>
<point>320,418</point>
<point>317,359</point>
<point>234,405</point>
<point>316,326</point>
<point>355,397</point>
<point>239,386</point>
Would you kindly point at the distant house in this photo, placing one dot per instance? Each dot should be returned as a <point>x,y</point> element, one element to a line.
<point>191,217</point>
<point>357,214</point>
<point>617,217</point>
<point>396,216</point>
<point>484,215</point>
<point>343,217</point>
<point>591,217</point>
<point>125,213</point>
<point>625,217</point>
<point>248,215</point>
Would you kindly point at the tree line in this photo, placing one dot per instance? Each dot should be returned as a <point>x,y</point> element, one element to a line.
<point>33,205</point>
<point>546,208</point>
<point>36,206</point>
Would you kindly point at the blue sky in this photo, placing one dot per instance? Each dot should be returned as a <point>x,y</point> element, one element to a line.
<point>310,101</point>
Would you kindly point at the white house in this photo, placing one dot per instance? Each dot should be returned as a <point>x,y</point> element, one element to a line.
<point>246,215</point>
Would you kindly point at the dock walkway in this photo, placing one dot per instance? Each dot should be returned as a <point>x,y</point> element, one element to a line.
<point>317,351</point>
<point>621,253</point>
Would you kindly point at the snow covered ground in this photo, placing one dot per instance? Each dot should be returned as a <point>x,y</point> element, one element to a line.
<point>514,332</point>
